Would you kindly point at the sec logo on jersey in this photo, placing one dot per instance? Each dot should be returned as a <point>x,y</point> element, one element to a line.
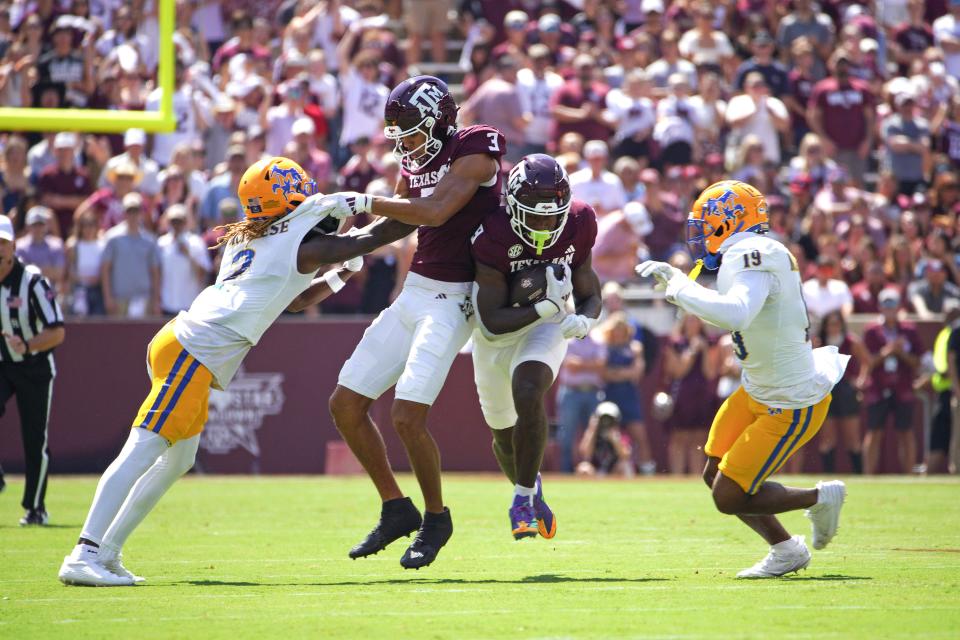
<point>515,251</point>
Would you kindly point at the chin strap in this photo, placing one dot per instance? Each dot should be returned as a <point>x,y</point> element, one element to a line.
<point>539,240</point>
<point>695,271</point>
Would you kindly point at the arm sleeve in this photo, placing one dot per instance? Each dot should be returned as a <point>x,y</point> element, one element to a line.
<point>44,299</point>
<point>734,310</point>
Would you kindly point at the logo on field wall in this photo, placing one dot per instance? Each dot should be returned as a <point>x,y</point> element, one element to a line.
<point>237,413</point>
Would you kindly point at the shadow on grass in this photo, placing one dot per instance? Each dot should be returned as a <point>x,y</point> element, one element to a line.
<point>830,576</point>
<point>539,579</point>
<point>35,526</point>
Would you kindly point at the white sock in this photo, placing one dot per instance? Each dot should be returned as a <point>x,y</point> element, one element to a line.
<point>175,462</point>
<point>526,492</point>
<point>141,450</point>
<point>787,545</point>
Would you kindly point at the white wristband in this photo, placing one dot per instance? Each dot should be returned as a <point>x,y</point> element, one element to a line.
<point>546,309</point>
<point>334,281</point>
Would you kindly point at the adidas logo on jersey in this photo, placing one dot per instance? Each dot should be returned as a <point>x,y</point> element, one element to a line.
<point>570,249</point>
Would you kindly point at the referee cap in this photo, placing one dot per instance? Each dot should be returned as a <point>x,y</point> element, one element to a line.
<point>6,229</point>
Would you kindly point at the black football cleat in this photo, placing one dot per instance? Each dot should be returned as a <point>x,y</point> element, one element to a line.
<point>398,518</point>
<point>436,530</point>
<point>34,517</point>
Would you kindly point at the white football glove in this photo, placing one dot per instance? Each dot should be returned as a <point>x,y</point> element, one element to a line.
<point>354,264</point>
<point>670,280</point>
<point>557,291</point>
<point>346,204</point>
<point>577,326</point>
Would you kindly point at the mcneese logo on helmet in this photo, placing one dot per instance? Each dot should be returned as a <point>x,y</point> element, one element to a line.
<point>273,187</point>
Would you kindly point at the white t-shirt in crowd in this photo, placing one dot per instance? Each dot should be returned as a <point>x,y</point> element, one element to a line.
<point>363,104</point>
<point>633,114</point>
<point>710,52</point>
<point>188,129</point>
<point>760,123</point>
<point>822,300</point>
<point>324,37</point>
<point>943,27</point>
<point>604,194</point>
<point>535,94</point>
<point>179,284</point>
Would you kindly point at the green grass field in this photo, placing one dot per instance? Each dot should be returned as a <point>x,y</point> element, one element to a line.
<point>267,557</point>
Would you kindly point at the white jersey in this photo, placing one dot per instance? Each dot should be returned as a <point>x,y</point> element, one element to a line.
<point>779,366</point>
<point>257,281</point>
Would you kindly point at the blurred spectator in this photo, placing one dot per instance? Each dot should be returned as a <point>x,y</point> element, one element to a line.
<point>676,131</point>
<point>107,203</point>
<point>622,373</point>
<point>933,294</point>
<point>774,74</point>
<point>385,184</point>
<point>223,187</point>
<point>174,191</point>
<point>578,105</point>
<point>84,254</point>
<point>63,186</point>
<point>703,45</point>
<point>634,116</point>
<point>359,171</point>
<point>619,237</point>
<point>865,292</point>
<point>134,141</point>
<point>812,162</point>
<point>497,103</point>
<point>536,85</point>
<point>595,185</point>
<point>278,121</point>
<point>216,138</point>
<point>14,175</point>
<point>668,64</point>
<point>242,42</point>
<point>184,262</point>
<point>130,265</point>
<point>825,292</point>
<point>758,113</point>
<point>426,17</point>
<point>304,151</point>
<point>843,418</point>
<point>63,68</point>
<point>805,22</point>
<point>946,33</point>
<point>690,369</point>
<point>191,109</point>
<point>801,80</point>
<point>946,384</point>
<point>41,249</point>
<point>578,391</point>
<point>841,112</point>
<point>907,146</point>
<point>748,164</point>
<point>669,220</point>
<point>604,446</point>
<point>709,115</point>
<point>628,170</point>
<point>895,350</point>
<point>910,39</point>
<point>364,98</point>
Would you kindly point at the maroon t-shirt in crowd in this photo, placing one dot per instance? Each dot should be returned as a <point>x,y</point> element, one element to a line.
<point>72,183</point>
<point>842,108</point>
<point>893,378</point>
<point>443,253</point>
<point>800,87</point>
<point>571,94</point>
<point>496,245</point>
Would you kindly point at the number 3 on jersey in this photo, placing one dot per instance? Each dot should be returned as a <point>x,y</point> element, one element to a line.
<point>245,258</point>
<point>739,348</point>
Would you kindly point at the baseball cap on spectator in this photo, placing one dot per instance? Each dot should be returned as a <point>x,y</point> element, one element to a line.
<point>37,215</point>
<point>595,149</point>
<point>506,62</point>
<point>714,159</point>
<point>539,51</point>
<point>801,183</point>
<point>674,173</point>
<point>933,265</point>
<point>678,80</point>
<point>650,176</point>
<point>64,140</point>
<point>936,69</point>
<point>176,212</point>
<point>303,125</point>
<point>626,44</point>
<point>637,216</point>
<point>904,98</point>
<point>236,150</point>
<point>775,201</point>
<point>134,137</point>
<point>762,38</point>
<point>243,87</point>
<point>889,298</point>
<point>124,170</point>
<point>516,19</point>
<point>295,59</point>
<point>868,45</point>
<point>651,6</point>
<point>6,228</point>
<point>255,131</point>
<point>63,23</point>
<point>691,172</point>
<point>549,23</point>
<point>224,105</point>
<point>132,201</point>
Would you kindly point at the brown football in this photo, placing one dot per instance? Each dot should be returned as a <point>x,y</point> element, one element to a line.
<point>529,285</point>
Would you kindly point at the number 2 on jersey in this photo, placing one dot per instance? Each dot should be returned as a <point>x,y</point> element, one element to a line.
<point>245,258</point>
<point>739,348</point>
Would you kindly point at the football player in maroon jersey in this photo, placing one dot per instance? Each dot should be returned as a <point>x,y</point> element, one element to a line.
<point>518,350</point>
<point>450,179</point>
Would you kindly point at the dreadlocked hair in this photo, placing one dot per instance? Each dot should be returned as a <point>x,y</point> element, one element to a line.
<point>243,231</point>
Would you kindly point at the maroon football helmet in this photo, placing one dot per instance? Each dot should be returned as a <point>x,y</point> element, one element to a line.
<point>538,186</point>
<point>421,104</point>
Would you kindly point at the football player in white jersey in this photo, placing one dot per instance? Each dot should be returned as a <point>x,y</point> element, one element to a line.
<point>269,264</point>
<point>785,383</point>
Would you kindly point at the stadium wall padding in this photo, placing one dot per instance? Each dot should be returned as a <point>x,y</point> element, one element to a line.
<point>274,419</point>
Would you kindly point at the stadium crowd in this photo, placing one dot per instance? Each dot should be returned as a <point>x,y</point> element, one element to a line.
<point>846,114</point>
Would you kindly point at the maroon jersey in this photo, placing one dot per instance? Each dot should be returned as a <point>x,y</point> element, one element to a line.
<point>496,245</point>
<point>443,253</point>
<point>892,377</point>
<point>843,110</point>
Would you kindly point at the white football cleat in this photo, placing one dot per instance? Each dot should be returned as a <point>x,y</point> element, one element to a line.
<point>779,563</point>
<point>115,565</point>
<point>83,568</point>
<point>825,515</point>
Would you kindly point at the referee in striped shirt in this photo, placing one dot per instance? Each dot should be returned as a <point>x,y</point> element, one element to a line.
<point>31,324</point>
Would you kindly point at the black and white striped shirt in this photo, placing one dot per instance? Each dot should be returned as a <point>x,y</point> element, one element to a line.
<point>28,305</point>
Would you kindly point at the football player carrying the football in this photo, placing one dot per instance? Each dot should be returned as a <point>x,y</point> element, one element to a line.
<point>785,383</point>
<point>518,350</point>
<point>269,263</point>
<point>450,179</point>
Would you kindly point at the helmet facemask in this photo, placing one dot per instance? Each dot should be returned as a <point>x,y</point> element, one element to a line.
<point>521,215</point>
<point>413,160</point>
